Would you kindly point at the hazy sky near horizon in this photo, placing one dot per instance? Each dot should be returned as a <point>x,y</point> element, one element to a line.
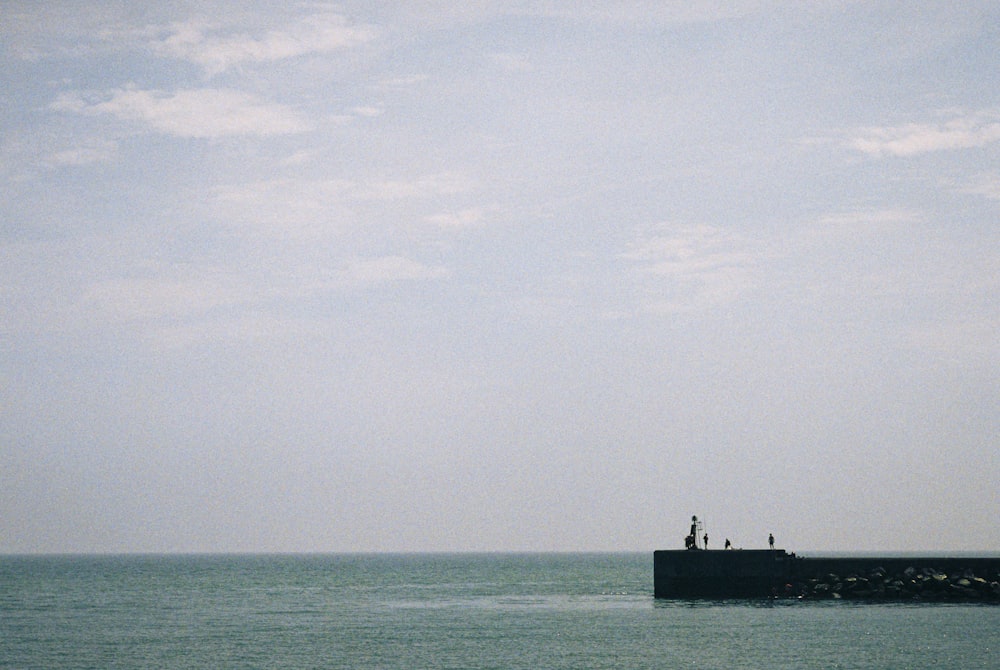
<point>484,275</point>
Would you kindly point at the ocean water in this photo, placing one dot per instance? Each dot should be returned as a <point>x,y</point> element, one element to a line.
<point>444,611</point>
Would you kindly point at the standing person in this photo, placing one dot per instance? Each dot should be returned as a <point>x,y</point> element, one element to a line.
<point>706,540</point>
<point>770,539</point>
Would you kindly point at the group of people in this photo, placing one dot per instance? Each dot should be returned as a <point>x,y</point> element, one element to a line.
<point>691,542</point>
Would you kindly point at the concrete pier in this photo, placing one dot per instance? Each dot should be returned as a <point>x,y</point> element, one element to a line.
<point>687,573</point>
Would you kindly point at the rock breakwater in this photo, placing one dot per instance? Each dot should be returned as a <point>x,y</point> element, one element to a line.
<point>909,584</point>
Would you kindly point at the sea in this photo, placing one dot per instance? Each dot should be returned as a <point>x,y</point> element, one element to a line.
<point>438,611</point>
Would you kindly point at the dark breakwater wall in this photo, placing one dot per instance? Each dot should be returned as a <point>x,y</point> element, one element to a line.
<point>775,573</point>
<point>719,574</point>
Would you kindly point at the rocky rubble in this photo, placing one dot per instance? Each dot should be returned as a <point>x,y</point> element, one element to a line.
<point>920,584</point>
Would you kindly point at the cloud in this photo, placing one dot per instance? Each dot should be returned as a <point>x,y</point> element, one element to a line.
<point>689,267</point>
<point>86,152</point>
<point>685,250</point>
<point>512,62</point>
<point>25,153</point>
<point>647,11</point>
<point>443,183</point>
<point>391,268</point>
<point>368,111</point>
<point>855,221</point>
<point>962,132</point>
<point>986,185</point>
<point>177,305</point>
<point>282,207</point>
<point>306,208</point>
<point>849,230</point>
<point>196,42</point>
<point>465,217</point>
<point>73,30</point>
<point>434,13</point>
<point>202,113</point>
<point>400,83</point>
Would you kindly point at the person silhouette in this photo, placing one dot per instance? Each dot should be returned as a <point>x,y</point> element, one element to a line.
<point>770,540</point>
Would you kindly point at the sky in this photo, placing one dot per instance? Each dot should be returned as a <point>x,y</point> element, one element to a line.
<point>499,275</point>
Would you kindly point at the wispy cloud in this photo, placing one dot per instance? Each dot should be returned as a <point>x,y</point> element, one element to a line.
<point>368,111</point>
<point>684,250</point>
<point>85,152</point>
<point>458,219</point>
<point>986,185</point>
<point>306,208</point>
<point>282,207</point>
<point>204,113</point>
<point>391,268</point>
<point>689,267</point>
<point>659,11</point>
<point>512,62</point>
<point>852,221</point>
<point>200,42</point>
<point>178,305</point>
<point>402,83</point>
<point>963,131</point>
<point>442,183</point>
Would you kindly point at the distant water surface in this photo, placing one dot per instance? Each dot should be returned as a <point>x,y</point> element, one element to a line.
<point>444,611</point>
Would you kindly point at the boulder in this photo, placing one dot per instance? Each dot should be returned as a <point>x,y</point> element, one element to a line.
<point>962,592</point>
<point>980,584</point>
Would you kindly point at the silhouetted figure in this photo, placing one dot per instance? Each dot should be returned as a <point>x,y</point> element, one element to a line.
<point>706,540</point>
<point>691,542</point>
<point>770,539</point>
<point>729,545</point>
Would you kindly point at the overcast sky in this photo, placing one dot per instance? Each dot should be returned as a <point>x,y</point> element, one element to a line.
<point>477,275</point>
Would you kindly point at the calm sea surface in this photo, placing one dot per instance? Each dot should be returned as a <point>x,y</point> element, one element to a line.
<point>444,611</point>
